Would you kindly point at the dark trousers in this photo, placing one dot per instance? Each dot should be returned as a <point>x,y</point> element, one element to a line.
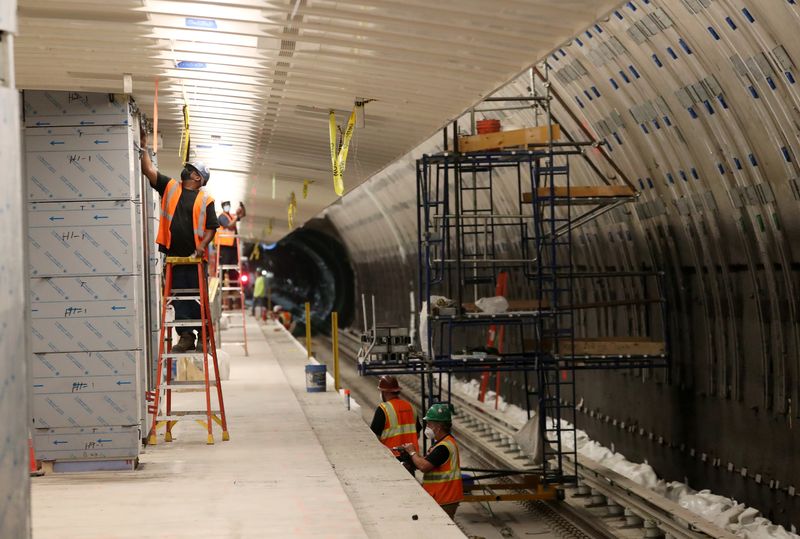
<point>186,277</point>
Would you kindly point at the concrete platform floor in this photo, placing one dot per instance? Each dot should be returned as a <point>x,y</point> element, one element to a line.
<point>298,465</point>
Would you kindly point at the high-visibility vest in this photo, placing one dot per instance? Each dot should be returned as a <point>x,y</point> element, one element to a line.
<point>286,318</point>
<point>400,426</point>
<point>169,202</point>
<point>444,483</point>
<point>224,236</point>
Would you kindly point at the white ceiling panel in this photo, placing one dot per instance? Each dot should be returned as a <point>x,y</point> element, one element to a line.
<point>261,75</point>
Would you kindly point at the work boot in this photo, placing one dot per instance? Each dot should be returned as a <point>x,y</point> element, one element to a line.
<point>185,344</point>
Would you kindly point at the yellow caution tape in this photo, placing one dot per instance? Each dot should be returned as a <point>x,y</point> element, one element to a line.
<point>274,186</point>
<point>271,222</point>
<point>292,210</point>
<point>306,183</point>
<point>348,134</point>
<point>339,158</point>
<point>184,146</point>
<point>338,183</point>
<point>256,254</point>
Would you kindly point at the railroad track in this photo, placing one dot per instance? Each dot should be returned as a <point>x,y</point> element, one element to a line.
<point>490,439</point>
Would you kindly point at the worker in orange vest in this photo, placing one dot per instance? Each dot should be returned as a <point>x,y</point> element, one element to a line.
<point>283,316</point>
<point>187,226</point>
<point>441,466</point>
<point>395,421</point>
<point>226,240</point>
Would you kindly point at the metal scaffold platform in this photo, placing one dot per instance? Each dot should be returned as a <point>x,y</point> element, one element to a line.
<point>474,248</point>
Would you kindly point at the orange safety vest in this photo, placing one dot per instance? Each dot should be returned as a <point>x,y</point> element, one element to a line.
<point>400,426</point>
<point>444,483</point>
<point>224,236</point>
<point>286,318</point>
<point>169,201</point>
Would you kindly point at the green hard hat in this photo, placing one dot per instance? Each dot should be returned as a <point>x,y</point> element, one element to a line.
<point>441,412</point>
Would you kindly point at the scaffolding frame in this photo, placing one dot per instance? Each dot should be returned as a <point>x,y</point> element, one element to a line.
<point>460,224</point>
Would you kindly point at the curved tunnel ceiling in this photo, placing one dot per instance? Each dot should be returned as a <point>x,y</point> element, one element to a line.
<point>261,75</point>
<point>697,103</point>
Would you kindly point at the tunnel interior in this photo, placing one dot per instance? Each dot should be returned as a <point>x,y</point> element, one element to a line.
<point>309,265</point>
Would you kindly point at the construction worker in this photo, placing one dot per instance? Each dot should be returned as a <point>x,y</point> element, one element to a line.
<point>260,293</point>
<point>441,467</point>
<point>395,422</point>
<point>226,241</point>
<point>187,226</point>
<point>283,316</point>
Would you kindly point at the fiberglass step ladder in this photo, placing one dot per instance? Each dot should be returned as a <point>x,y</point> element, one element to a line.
<point>161,407</point>
<point>232,288</point>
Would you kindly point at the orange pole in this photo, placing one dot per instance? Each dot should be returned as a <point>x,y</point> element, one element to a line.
<point>155,120</point>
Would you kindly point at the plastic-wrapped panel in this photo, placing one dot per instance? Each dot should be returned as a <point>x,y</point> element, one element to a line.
<point>72,314</point>
<point>85,389</point>
<point>87,443</point>
<point>8,19</point>
<point>79,238</point>
<point>80,163</point>
<point>56,108</point>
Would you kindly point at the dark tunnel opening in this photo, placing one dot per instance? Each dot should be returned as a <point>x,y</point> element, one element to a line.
<point>309,265</point>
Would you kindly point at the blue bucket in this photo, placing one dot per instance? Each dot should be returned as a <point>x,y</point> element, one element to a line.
<point>316,378</point>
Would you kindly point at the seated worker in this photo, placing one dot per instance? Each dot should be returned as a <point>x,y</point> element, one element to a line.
<point>441,467</point>
<point>395,421</point>
<point>283,316</point>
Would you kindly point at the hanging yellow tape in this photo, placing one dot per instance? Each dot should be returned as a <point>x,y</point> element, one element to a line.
<point>348,134</point>
<point>292,210</point>
<point>269,230</point>
<point>184,147</point>
<point>306,183</point>
<point>338,182</point>
<point>339,155</point>
<point>256,254</point>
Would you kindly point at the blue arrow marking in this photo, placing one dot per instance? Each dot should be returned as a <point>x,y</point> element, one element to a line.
<point>54,142</point>
<point>56,218</point>
<point>116,308</point>
<point>86,122</point>
<point>42,123</point>
<point>57,442</point>
<point>123,383</point>
<point>38,385</point>
<point>96,217</point>
<point>102,441</point>
<point>101,142</point>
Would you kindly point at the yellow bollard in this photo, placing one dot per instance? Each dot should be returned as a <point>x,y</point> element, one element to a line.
<point>335,340</point>
<point>308,329</point>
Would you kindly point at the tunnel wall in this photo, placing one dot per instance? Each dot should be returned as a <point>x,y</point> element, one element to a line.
<point>14,410</point>
<point>697,104</point>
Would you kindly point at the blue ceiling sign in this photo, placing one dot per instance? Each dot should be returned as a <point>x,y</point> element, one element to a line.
<point>191,65</point>
<point>210,24</point>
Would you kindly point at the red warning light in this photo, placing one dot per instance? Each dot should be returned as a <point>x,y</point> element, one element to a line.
<point>245,278</point>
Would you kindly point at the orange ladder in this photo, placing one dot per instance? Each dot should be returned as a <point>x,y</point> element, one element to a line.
<point>162,396</point>
<point>227,287</point>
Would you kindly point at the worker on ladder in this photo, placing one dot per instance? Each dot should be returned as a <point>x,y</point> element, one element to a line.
<point>227,241</point>
<point>187,226</point>
<point>395,421</point>
<point>441,466</point>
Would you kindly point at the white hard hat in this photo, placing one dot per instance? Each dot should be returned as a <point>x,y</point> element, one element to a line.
<point>277,308</point>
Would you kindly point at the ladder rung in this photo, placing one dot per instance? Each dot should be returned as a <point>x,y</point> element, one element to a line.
<point>187,414</point>
<point>192,355</point>
<point>183,323</point>
<point>229,267</point>
<point>188,385</point>
<point>182,298</point>
<point>185,291</point>
<point>228,288</point>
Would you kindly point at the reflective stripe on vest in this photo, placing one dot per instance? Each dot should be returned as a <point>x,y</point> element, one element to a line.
<point>224,236</point>
<point>401,424</point>
<point>444,483</point>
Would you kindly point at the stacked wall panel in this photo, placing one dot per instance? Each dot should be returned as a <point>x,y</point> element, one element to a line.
<point>87,269</point>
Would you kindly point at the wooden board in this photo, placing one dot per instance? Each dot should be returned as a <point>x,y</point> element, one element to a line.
<point>584,191</point>
<point>514,305</point>
<point>507,139</point>
<point>609,346</point>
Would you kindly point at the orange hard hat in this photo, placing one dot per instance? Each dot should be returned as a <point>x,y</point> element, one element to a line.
<point>388,384</point>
